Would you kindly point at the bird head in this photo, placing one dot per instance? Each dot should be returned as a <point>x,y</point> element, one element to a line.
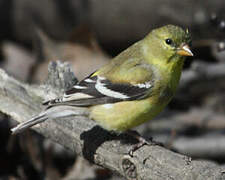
<point>168,42</point>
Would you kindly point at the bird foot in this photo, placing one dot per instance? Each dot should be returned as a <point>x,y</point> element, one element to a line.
<point>141,142</point>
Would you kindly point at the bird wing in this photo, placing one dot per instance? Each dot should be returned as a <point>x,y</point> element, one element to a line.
<point>97,89</point>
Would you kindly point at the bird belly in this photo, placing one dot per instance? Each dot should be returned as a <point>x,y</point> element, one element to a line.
<point>125,115</point>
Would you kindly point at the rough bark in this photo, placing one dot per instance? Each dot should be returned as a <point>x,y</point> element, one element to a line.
<point>84,137</point>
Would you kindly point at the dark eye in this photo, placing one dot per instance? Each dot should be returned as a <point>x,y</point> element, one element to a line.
<point>169,41</point>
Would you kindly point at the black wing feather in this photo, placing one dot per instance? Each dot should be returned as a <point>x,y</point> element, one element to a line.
<point>132,92</point>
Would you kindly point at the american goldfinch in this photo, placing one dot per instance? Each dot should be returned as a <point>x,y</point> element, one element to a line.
<point>134,87</point>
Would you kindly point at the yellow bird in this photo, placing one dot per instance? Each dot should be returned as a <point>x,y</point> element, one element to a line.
<point>134,86</point>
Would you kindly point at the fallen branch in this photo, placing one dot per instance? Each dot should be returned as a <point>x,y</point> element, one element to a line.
<point>200,80</point>
<point>207,146</point>
<point>84,137</point>
<point>180,121</point>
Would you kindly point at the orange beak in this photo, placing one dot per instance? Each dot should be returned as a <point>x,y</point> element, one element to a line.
<point>184,50</point>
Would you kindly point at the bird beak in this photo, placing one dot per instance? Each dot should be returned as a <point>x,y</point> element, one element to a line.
<point>184,50</point>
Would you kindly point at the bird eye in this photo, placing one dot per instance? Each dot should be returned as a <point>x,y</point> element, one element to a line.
<point>169,41</point>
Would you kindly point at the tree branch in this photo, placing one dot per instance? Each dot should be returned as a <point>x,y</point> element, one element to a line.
<point>84,137</point>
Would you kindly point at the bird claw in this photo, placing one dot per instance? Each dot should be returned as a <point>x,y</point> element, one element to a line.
<point>141,142</point>
<point>137,146</point>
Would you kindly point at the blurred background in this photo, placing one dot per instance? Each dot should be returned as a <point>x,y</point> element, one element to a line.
<point>87,33</point>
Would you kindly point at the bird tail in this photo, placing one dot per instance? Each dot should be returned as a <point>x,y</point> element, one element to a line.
<point>51,113</point>
<point>33,121</point>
